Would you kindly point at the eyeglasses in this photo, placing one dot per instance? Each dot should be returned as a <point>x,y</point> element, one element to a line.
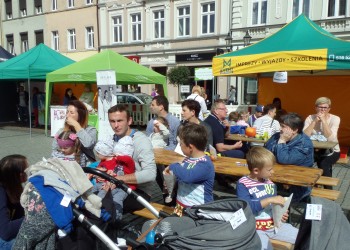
<point>321,107</point>
<point>222,108</point>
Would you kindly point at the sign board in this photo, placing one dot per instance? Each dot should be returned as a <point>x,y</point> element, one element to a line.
<point>203,74</point>
<point>185,89</point>
<point>194,57</point>
<point>58,117</point>
<point>280,77</point>
<point>106,87</point>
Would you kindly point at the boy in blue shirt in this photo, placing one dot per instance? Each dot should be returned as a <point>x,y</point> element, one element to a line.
<point>260,193</point>
<point>195,174</point>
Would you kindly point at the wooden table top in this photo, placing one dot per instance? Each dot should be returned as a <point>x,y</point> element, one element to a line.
<point>317,144</point>
<point>286,174</point>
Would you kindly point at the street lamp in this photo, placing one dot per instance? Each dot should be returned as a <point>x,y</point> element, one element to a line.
<point>228,40</point>
<point>246,39</point>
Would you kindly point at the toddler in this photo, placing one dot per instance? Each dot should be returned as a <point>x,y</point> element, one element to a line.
<point>115,160</point>
<point>69,148</point>
<point>160,135</point>
<point>243,117</point>
<point>233,118</point>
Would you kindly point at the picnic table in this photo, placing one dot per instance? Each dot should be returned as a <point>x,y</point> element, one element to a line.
<point>317,144</point>
<point>286,174</point>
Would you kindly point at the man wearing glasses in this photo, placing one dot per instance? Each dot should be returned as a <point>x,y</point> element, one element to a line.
<point>219,125</point>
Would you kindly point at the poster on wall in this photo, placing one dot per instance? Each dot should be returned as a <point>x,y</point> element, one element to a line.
<point>106,88</point>
<point>58,117</point>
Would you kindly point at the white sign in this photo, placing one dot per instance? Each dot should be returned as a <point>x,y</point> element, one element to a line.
<point>106,87</point>
<point>280,77</point>
<point>203,74</point>
<point>58,117</point>
<point>185,88</point>
<point>313,212</point>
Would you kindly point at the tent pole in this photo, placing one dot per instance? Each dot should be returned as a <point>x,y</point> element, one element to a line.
<point>29,108</point>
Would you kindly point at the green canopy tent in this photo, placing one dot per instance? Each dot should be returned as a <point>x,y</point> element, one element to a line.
<point>300,47</point>
<point>318,64</point>
<point>33,65</point>
<point>84,71</point>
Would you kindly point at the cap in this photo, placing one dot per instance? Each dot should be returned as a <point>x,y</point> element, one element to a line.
<point>259,108</point>
<point>104,148</point>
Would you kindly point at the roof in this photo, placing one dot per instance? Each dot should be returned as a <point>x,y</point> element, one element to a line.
<point>292,48</point>
<point>33,64</point>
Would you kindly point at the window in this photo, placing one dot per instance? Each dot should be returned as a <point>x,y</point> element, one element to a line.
<point>8,8</point>
<point>117,29</point>
<point>23,7</point>
<point>89,2</point>
<point>39,37</point>
<point>301,6</point>
<point>183,21</point>
<point>259,12</point>
<point>249,91</point>
<point>208,18</point>
<point>89,37</point>
<point>53,4</point>
<point>38,6</point>
<point>24,42</point>
<point>158,17</point>
<point>70,3</point>
<point>55,41</point>
<point>10,44</point>
<point>336,8</point>
<point>71,40</point>
<point>136,27</point>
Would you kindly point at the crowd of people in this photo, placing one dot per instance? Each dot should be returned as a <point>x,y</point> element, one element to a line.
<point>128,156</point>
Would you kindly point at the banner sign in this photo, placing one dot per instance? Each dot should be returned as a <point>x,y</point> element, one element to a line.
<point>269,62</point>
<point>203,74</point>
<point>106,87</point>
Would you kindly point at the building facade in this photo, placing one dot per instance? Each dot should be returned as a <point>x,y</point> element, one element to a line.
<point>162,34</point>
<point>67,26</point>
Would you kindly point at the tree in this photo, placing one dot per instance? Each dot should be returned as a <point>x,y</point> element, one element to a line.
<point>179,75</point>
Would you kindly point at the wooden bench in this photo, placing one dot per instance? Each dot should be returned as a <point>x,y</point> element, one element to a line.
<point>281,245</point>
<point>325,193</point>
<point>147,214</point>
<point>327,181</point>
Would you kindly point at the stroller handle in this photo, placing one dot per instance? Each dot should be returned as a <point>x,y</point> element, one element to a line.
<point>120,184</point>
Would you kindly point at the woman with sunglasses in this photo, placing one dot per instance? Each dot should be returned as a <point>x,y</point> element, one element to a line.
<point>324,125</point>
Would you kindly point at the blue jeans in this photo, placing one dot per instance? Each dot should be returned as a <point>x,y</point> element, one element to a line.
<point>6,245</point>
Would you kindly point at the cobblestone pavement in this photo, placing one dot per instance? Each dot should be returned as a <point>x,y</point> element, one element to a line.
<point>17,140</point>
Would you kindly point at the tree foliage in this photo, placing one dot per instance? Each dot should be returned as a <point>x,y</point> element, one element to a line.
<point>179,75</point>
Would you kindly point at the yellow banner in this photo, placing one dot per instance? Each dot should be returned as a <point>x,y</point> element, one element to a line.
<point>270,62</point>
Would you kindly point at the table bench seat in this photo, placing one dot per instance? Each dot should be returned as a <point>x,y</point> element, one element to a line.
<point>325,193</point>
<point>281,245</point>
<point>147,214</point>
<point>327,181</point>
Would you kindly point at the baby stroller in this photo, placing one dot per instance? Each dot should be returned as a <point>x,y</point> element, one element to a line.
<point>331,232</point>
<point>51,198</point>
<point>224,224</point>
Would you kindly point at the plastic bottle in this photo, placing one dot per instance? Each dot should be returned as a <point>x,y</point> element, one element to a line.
<point>119,170</point>
<point>150,237</point>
